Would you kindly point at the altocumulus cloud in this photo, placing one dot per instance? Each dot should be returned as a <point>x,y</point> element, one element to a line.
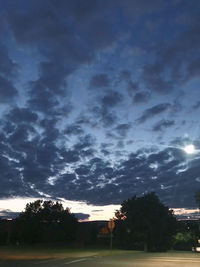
<point>87,98</point>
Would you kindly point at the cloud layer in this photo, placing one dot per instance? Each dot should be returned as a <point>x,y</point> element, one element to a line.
<point>97,100</point>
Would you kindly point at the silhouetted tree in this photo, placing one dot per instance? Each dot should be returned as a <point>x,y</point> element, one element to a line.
<point>5,231</point>
<point>145,222</point>
<point>45,221</point>
<point>197,197</point>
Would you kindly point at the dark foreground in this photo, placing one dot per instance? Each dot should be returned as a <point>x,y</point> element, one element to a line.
<point>134,259</point>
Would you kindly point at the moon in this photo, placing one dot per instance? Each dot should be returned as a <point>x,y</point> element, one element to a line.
<point>189,149</point>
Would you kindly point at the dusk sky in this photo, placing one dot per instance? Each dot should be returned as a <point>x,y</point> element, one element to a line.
<point>97,101</point>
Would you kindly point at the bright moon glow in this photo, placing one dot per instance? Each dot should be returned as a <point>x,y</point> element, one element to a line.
<point>189,149</point>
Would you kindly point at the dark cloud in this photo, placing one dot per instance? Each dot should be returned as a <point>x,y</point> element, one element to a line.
<point>20,115</point>
<point>56,82</point>
<point>97,210</point>
<point>122,129</point>
<point>105,148</point>
<point>41,98</point>
<point>88,153</point>
<point>175,62</point>
<point>48,101</point>
<point>194,68</point>
<point>186,42</point>
<point>125,75</point>
<point>99,80</point>
<point>86,141</point>
<point>7,90</point>
<point>8,71</point>
<point>132,87</point>
<point>120,144</point>
<point>83,11</point>
<point>83,170</point>
<point>70,156</point>
<point>104,108</point>
<point>111,99</point>
<point>106,117</point>
<point>7,67</point>
<point>74,129</point>
<point>197,105</point>
<point>144,7</point>
<point>50,131</point>
<point>59,42</point>
<point>82,216</point>
<point>142,97</point>
<point>152,75</point>
<point>100,35</point>
<point>153,111</point>
<point>105,152</point>
<point>176,107</point>
<point>162,125</point>
<point>11,183</point>
<point>86,120</point>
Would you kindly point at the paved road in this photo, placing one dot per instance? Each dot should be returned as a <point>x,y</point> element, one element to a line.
<point>125,260</point>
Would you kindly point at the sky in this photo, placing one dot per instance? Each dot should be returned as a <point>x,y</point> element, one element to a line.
<point>98,99</point>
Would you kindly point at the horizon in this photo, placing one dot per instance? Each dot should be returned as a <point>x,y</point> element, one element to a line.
<point>80,209</point>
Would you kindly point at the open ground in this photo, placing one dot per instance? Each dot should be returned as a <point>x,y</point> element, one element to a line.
<point>52,257</point>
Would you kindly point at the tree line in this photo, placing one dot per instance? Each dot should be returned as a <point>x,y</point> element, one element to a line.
<point>142,223</point>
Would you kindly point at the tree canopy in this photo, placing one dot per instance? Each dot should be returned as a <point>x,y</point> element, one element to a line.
<point>197,197</point>
<point>146,222</point>
<point>46,221</point>
<point>46,211</point>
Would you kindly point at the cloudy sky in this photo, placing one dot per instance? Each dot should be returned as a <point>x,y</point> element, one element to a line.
<point>97,100</point>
